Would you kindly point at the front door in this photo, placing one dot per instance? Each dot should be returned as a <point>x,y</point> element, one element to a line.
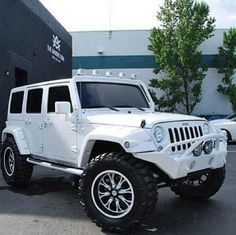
<point>59,130</point>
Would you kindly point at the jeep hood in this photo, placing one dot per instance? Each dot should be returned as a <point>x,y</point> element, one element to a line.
<point>135,119</point>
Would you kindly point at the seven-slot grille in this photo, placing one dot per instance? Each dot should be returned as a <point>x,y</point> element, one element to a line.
<point>184,133</point>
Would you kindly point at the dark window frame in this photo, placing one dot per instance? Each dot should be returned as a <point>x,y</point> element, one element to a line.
<point>28,105</point>
<point>19,108</point>
<point>48,99</point>
<point>142,91</point>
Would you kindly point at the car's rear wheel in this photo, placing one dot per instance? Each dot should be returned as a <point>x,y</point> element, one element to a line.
<point>118,192</point>
<point>15,169</point>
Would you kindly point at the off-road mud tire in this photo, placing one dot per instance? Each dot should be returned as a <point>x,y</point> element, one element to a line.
<point>143,182</point>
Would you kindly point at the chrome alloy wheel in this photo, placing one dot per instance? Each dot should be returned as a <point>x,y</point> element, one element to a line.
<point>9,161</point>
<point>112,194</point>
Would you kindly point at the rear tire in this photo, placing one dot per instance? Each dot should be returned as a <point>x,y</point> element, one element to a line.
<point>201,187</point>
<point>16,170</point>
<point>113,205</point>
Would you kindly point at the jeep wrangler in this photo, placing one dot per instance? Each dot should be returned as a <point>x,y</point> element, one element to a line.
<point>104,129</point>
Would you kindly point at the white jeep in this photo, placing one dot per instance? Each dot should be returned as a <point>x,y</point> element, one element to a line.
<point>104,129</point>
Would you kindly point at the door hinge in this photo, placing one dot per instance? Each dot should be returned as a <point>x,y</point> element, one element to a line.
<point>73,127</point>
<point>41,145</point>
<point>74,149</point>
<point>40,126</point>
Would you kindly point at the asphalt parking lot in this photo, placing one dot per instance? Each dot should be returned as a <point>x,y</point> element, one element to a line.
<point>50,206</point>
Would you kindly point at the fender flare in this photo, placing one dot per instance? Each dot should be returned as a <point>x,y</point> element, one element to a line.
<point>119,136</point>
<point>19,137</point>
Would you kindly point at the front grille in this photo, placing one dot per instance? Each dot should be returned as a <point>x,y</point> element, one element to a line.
<point>178,134</point>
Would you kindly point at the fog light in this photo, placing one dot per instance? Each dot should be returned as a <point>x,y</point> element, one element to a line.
<point>192,165</point>
<point>207,147</point>
<point>197,151</point>
<point>159,149</point>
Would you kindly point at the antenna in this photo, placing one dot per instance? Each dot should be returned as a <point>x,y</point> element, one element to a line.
<point>110,12</point>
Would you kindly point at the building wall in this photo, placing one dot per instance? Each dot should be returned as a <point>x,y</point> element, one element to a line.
<point>27,30</point>
<point>126,51</point>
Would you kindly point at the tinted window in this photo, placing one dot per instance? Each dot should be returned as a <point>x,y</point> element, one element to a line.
<point>34,101</point>
<point>16,102</point>
<point>93,94</point>
<point>58,94</point>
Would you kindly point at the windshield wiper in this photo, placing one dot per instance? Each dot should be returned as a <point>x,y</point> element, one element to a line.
<point>130,106</point>
<point>104,106</point>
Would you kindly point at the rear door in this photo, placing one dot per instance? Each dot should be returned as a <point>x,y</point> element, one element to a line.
<point>33,120</point>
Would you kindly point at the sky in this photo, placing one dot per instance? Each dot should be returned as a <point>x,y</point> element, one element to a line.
<point>88,15</point>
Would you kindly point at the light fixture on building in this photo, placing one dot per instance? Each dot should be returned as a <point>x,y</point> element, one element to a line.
<point>100,51</point>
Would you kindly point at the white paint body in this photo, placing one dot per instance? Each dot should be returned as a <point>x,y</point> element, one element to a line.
<point>69,138</point>
<point>228,125</point>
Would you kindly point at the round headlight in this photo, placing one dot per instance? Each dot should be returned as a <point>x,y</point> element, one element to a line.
<point>208,147</point>
<point>206,128</point>
<point>197,151</point>
<point>158,134</point>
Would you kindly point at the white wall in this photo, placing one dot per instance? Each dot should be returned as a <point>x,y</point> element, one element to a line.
<point>115,43</point>
<point>135,42</point>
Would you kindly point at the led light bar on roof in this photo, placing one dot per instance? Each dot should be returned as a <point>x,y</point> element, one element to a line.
<point>80,72</point>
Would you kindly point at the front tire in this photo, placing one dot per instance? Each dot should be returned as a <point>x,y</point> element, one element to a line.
<point>16,170</point>
<point>201,187</point>
<point>118,191</point>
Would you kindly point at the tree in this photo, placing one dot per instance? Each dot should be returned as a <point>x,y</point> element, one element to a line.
<point>185,24</point>
<point>226,63</point>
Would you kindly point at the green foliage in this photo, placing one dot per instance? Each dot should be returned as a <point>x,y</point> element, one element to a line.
<point>226,63</point>
<point>185,24</point>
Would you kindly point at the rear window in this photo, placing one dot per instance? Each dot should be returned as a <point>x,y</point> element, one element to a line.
<point>16,102</point>
<point>34,101</point>
<point>57,94</point>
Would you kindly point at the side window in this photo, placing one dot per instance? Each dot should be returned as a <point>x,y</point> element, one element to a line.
<point>34,101</point>
<point>16,102</point>
<point>56,94</point>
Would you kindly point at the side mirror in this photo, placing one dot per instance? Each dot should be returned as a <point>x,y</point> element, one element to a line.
<point>62,107</point>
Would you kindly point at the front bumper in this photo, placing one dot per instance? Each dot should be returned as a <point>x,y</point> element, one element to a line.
<point>181,164</point>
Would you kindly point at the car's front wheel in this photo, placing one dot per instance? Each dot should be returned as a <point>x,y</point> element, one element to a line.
<point>118,192</point>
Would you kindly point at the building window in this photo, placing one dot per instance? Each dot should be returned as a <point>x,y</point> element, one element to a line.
<point>21,77</point>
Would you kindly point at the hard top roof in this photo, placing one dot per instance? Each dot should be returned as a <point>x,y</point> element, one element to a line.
<point>81,78</point>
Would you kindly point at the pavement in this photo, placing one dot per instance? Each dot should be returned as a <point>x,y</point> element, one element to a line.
<point>50,206</point>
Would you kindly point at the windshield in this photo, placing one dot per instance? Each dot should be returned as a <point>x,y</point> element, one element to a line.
<point>100,95</point>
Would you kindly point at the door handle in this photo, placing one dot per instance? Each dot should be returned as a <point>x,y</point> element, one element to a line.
<point>47,123</point>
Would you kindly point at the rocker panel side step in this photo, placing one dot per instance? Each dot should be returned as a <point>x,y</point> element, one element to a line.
<point>55,166</point>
